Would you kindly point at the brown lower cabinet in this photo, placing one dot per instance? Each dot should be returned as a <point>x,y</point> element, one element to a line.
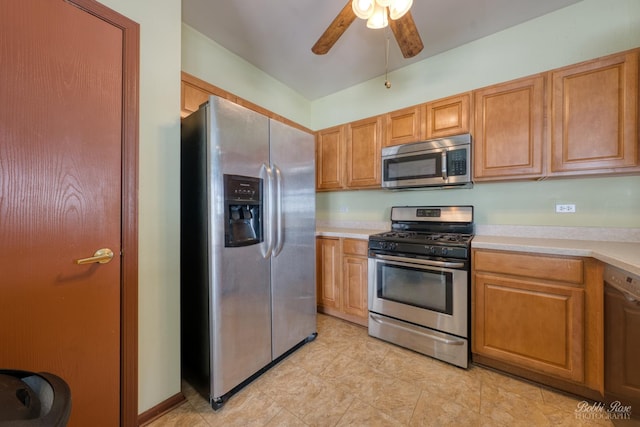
<point>341,278</point>
<point>540,317</point>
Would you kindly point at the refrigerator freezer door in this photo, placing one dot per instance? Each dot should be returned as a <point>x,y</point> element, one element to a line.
<point>293,262</point>
<point>240,288</point>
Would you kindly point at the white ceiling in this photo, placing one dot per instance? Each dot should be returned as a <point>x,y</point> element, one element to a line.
<point>276,35</point>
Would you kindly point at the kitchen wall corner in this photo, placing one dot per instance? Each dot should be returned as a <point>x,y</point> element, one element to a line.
<point>159,180</point>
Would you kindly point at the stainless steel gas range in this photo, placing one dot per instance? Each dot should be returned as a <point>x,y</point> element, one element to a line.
<point>419,281</point>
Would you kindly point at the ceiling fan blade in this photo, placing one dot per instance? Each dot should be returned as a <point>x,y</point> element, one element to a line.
<point>335,30</point>
<point>406,34</point>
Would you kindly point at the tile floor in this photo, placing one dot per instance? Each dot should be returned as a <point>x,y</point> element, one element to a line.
<point>346,378</point>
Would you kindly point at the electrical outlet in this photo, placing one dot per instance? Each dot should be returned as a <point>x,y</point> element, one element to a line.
<point>343,209</point>
<point>568,208</point>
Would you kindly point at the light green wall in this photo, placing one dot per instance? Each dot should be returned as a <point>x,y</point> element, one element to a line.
<point>207,60</point>
<point>600,202</point>
<point>586,30</point>
<point>159,232</point>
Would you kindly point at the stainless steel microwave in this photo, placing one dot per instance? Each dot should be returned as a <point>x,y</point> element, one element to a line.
<point>443,163</point>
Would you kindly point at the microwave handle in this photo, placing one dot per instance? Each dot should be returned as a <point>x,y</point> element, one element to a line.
<point>444,165</point>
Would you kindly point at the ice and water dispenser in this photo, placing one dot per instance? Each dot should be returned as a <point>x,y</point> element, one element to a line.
<point>243,210</point>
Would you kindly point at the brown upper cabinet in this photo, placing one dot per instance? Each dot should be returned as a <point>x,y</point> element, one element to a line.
<point>448,116</point>
<point>192,98</point>
<point>594,116</point>
<point>577,120</point>
<point>195,92</point>
<point>364,140</point>
<point>591,125</point>
<point>509,130</point>
<point>435,119</point>
<point>330,158</point>
<point>348,156</point>
<point>404,126</point>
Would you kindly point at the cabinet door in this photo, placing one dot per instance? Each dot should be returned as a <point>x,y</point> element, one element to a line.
<point>192,97</point>
<point>354,286</point>
<point>595,115</point>
<point>330,158</point>
<point>448,116</point>
<point>363,153</point>
<point>530,324</point>
<point>508,137</point>
<point>403,126</point>
<point>328,272</point>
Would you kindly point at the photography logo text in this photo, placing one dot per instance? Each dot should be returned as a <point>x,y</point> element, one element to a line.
<point>601,411</point>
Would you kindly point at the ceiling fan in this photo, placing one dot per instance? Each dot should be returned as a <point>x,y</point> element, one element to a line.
<point>379,14</point>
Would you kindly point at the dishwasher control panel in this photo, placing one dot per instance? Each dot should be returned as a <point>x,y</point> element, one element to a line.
<point>624,281</point>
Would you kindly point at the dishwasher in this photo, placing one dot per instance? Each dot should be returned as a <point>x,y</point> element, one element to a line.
<point>622,345</point>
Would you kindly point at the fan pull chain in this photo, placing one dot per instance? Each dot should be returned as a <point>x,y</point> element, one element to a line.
<point>387,83</point>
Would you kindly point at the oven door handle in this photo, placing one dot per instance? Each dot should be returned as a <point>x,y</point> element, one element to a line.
<point>431,263</point>
<point>382,320</point>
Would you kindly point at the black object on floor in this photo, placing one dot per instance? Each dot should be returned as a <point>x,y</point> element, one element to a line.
<point>29,399</point>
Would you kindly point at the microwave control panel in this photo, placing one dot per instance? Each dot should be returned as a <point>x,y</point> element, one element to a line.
<point>457,162</point>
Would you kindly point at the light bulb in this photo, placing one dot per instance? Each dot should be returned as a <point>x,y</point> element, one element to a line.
<point>384,3</point>
<point>398,8</point>
<point>363,8</point>
<point>379,18</point>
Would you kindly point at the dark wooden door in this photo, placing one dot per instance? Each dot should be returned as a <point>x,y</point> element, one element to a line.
<point>61,194</point>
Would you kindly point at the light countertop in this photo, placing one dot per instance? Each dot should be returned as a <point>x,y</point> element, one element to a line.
<point>624,255</point>
<point>351,233</point>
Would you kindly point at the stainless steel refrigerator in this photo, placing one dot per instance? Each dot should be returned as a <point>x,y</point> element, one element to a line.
<point>247,245</point>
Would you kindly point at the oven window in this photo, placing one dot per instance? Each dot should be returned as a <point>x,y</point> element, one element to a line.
<point>428,289</point>
<point>413,167</point>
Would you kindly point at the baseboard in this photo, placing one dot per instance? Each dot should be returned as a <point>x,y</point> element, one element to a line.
<point>160,409</point>
<point>362,321</point>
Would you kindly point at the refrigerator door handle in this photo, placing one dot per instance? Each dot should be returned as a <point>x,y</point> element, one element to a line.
<point>278,211</point>
<point>266,173</point>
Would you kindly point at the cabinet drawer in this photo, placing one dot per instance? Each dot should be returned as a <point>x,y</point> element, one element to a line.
<point>355,247</point>
<point>533,266</point>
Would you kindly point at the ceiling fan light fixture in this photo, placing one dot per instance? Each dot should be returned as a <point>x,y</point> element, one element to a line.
<point>379,18</point>
<point>384,3</point>
<point>363,8</point>
<point>398,8</point>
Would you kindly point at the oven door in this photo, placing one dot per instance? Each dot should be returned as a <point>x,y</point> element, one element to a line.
<point>433,294</point>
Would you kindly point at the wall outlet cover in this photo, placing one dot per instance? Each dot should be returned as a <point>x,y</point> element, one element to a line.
<point>565,208</point>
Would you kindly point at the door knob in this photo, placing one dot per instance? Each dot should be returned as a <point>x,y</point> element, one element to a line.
<point>102,256</point>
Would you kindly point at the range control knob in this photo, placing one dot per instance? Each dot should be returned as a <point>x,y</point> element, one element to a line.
<point>444,251</point>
